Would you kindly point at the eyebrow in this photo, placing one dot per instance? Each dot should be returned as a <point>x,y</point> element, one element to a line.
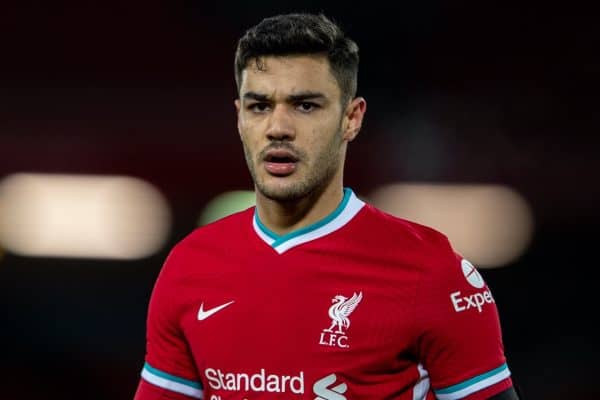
<point>291,98</point>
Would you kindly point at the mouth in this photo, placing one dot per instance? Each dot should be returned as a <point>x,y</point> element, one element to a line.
<point>280,162</point>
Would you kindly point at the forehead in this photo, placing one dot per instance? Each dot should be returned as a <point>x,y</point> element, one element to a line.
<point>285,75</point>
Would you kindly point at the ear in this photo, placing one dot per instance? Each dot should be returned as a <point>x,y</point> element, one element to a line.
<point>353,118</point>
<point>238,106</point>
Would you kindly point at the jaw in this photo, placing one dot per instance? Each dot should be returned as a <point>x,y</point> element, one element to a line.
<point>280,188</point>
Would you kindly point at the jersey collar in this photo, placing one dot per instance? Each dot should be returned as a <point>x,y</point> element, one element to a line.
<point>345,211</point>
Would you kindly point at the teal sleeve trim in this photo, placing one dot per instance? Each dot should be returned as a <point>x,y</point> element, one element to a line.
<point>472,381</point>
<point>172,378</point>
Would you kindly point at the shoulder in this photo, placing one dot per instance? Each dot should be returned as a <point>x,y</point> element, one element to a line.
<point>220,231</point>
<point>406,234</point>
<point>213,239</point>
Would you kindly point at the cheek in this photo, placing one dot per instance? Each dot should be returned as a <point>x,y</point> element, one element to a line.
<point>325,139</point>
<point>244,130</point>
<point>250,143</point>
<point>249,131</point>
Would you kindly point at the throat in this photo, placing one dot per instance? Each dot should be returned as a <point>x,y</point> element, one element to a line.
<point>285,217</point>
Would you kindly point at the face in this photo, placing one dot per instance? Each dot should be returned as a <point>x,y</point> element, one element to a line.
<point>293,127</point>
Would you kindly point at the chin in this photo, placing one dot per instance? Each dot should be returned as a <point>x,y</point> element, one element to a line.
<point>289,191</point>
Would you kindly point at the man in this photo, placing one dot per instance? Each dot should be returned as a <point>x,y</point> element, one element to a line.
<point>314,294</point>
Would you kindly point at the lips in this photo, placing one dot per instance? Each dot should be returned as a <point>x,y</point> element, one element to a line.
<point>280,162</point>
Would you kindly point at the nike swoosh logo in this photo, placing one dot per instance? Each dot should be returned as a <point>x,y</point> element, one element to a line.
<point>202,315</point>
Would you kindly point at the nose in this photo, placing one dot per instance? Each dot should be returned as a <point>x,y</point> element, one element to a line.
<point>281,126</point>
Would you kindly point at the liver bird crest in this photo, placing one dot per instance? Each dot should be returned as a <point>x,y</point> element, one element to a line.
<point>340,311</point>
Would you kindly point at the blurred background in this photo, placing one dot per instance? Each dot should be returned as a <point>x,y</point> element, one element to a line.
<point>118,138</point>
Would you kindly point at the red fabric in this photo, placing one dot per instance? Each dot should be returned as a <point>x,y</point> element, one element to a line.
<point>279,328</point>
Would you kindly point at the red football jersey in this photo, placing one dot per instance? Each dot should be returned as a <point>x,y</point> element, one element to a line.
<point>361,305</point>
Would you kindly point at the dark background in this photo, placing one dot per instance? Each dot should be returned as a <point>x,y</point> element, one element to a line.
<point>459,91</point>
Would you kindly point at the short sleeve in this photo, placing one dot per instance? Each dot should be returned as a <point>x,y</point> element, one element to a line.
<point>169,371</point>
<point>460,340</point>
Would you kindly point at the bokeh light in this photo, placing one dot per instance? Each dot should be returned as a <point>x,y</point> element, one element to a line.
<point>225,204</point>
<point>56,215</point>
<point>491,225</point>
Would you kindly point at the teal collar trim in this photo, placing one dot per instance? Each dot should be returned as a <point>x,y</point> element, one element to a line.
<point>344,212</point>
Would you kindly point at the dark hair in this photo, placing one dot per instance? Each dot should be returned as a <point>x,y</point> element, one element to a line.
<point>298,34</point>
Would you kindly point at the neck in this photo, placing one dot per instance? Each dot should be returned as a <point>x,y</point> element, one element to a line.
<point>285,217</point>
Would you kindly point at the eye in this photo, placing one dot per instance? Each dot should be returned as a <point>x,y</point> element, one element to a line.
<point>306,106</point>
<point>258,107</point>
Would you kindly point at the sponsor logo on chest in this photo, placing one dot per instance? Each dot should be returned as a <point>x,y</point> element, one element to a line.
<point>329,387</point>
